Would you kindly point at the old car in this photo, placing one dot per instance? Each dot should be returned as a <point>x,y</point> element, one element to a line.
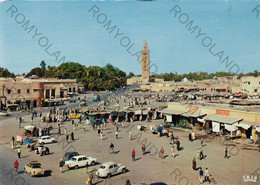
<point>108,169</point>
<point>69,155</point>
<point>34,168</point>
<point>46,139</point>
<point>80,161</point>
<point>4,113</point>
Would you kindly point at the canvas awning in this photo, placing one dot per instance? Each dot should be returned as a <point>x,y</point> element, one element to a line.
<point>169,118</point>
<point>243,125</point>
<point>145,112</point>
<point>194,114</point>
<point>223,119</point>
<point>138,112</point>
<point>172,111</point>
<point>231,127</point>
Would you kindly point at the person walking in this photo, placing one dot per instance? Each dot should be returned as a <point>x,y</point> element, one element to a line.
<point>194,164</point>
<point>16,165</point>
<point>189,136</point>
<point>116,135</point>
<point>226,154</point>
<point>133,155</point>
<point>202,142</point>
<point>127,182</point>
<point>90,179</point>
<point>65,131</point>
<point>201,177</point>
<point>62,163</point>
<point>101,135</point>
<point>86,167</point>
<point>172,151</point>
<point>192,135</point>
<point>178,144</point>
<point>143,148</point>
<point>67,138</point>
<point>19,152</point>
<point>111,148</point>
<point>72,136</point>
<point>161,152</point>
<point>130,136</point>
<point>207,175</point>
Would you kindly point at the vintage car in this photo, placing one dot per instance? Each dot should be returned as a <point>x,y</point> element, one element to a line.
<point>74,116</point>
<point>69,155</point>
<point>4,113</point>
<point>80,161</point>
<point>34,168</point>
<point>46,139</point>
<point>108,169</point>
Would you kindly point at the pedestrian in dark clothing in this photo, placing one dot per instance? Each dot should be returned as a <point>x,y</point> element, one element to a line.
<point>86,167</point>
<point>194,164</point>
<point>72,136</point>
<point>201,177</point>
<point>19,152</point>
<point>62,163</point>
<point>13,139</point>
<point>67,138</point>
<point>226,153</point>
<point>133,155</point>
<point>72,122</point>
<point>59,131</point>
<point>178,145</point>
<point>189,136</point>
<point>127,182</point>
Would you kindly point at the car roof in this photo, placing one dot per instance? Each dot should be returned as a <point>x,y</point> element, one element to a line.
<point>78,156</point>
<point>108,163</point>
<point>45,136</point>
<point>35,162</point>
<point>70,153</point>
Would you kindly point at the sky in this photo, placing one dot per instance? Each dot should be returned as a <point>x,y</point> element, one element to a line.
<point>77,31</point>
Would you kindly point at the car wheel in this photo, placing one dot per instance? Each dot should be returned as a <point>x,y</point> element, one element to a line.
<point>124,170</point>
<point>108,175</point>
<point>76,167</point>
<point>93,163</point>
<point>53,141</point>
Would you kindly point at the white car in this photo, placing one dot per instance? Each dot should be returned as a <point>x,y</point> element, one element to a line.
<point>108,169</point>
<point>80,161</point>
<point>46,139</point>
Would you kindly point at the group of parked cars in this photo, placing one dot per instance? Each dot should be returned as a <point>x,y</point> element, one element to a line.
<point>107,169</point>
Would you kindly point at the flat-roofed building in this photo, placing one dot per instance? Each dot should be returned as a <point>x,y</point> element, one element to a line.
<point>32,91</point>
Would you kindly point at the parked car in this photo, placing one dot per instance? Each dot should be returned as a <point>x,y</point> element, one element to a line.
<point>34,168</point>
<point>80,161</point>
<point>96,98</point>
<point>108,169</point>
<point>4,113</point>
<point>69,155</point>
<point>46,139</point>
<point>43,150</point>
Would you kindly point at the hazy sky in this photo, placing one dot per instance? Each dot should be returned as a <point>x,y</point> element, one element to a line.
<point>229,28</point>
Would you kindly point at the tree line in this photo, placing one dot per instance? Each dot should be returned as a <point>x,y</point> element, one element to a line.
<point>109,77</point>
